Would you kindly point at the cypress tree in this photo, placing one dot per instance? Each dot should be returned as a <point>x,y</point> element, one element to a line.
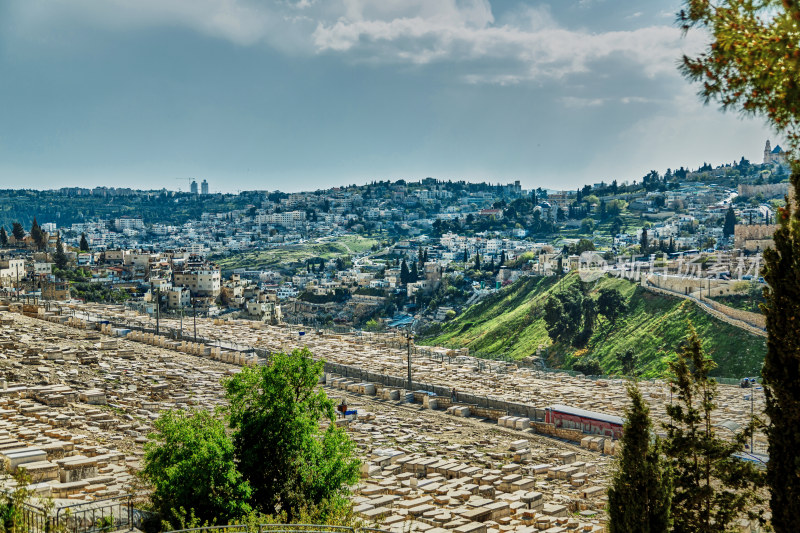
<point>37,234</point>
<point>730,223</point>
<point>477,261</point>
<point>404,274</point>
<point>644,243</point>
<point>18,232</point>
<point>84,243</point>
<point>3,236</point>
<point>414,275</point>
<point>59,257</point>
<point>733,71</point>
<point>640,492</point>
<point>781,370</point>
<point>712,488</point>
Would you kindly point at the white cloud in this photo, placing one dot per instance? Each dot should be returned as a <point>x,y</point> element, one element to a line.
<point>531,46</point>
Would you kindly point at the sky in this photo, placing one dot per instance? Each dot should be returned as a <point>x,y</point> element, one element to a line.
<point>308,94</point>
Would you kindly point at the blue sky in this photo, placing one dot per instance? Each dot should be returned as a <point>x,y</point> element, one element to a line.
<point>306,94</point>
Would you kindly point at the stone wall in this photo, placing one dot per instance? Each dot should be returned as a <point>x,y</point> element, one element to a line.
<point>756,319</point>
<point>483,406</point>
<point>574,435</point>
<point>769,190</point>
<point>753,237</point>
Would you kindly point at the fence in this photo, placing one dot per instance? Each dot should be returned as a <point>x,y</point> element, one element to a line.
<point>90,517</point>
<point>279,528</point>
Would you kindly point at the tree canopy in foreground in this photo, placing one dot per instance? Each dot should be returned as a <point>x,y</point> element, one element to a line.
<point>752,64</point>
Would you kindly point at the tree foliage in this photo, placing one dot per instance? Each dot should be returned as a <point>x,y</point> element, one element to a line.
<point>610,304</point>
<point>712,488</point>
<point>752,61</point>
<point>781,371</point>
<point>60,257</point>
<point>729,226</point>
<point>628,361</point>
<point>3,237</point>
<point>37,235</point>
<point>291,464</point>
<point>752,64</point>
<point>641,488</point>
<point>644,243</point>
<point>189,461</point>
<point>563,315</point>
<point>84,245</point>
<point>18,231</point>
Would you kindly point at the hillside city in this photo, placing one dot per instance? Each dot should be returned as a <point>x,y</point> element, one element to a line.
<point>385,253</point>
<point>400,267</point>
<point>408,292</point>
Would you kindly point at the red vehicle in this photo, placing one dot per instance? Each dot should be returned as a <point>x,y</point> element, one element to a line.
<point>562,416</point>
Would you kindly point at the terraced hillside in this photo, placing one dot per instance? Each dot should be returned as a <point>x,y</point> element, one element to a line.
<point>292,256</point>
<point>512,322</point>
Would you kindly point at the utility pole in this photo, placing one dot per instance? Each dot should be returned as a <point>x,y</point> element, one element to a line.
<point>181,322</point>
<point>752,407</point>
<point>194,318</point>
<point>158,308</point>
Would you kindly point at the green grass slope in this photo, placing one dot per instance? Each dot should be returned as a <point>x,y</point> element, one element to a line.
<point>295,255</point>
<point>511,322</point>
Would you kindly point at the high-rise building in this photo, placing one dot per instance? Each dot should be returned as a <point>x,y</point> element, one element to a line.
<point>204,187</point>
<point>194,187</point>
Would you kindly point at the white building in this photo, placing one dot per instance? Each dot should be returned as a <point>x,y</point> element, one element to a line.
<point>201,282</point>
<point>124,223</point>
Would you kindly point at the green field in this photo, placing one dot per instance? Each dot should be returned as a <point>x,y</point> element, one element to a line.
<point>293,256</point>
<point>510,322</point>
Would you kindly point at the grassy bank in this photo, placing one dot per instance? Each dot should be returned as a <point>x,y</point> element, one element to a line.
<point>293,256</point>
<point>511,322</point>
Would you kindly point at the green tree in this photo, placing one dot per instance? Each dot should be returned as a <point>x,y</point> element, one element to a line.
<point>477,261</point>
<point>781,370</point>
<point>373,325</point>
<point>189,462</point>
<point>730,223</point>
<point>589,308</point>
<point>628,361</point>
<point>610,304</point>
<point>644,244</point>
<point>583,245</point>
<point>712,488</point>
<point>37,235</point>
<point>84,246</point>
<point>590,367</point>
<point>466,256</point>
<point>563,315</point>
<point>641,487</point>
<point>292,464</point>
<point>59,257</point>
<point>3,237</point>
<point>752,64</point>
<point>18,232</point>
<point>405,275</point>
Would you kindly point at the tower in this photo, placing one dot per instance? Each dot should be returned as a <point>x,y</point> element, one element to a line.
<point>194,187</point>
<point>204,187</point>
<point>767,153</point>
